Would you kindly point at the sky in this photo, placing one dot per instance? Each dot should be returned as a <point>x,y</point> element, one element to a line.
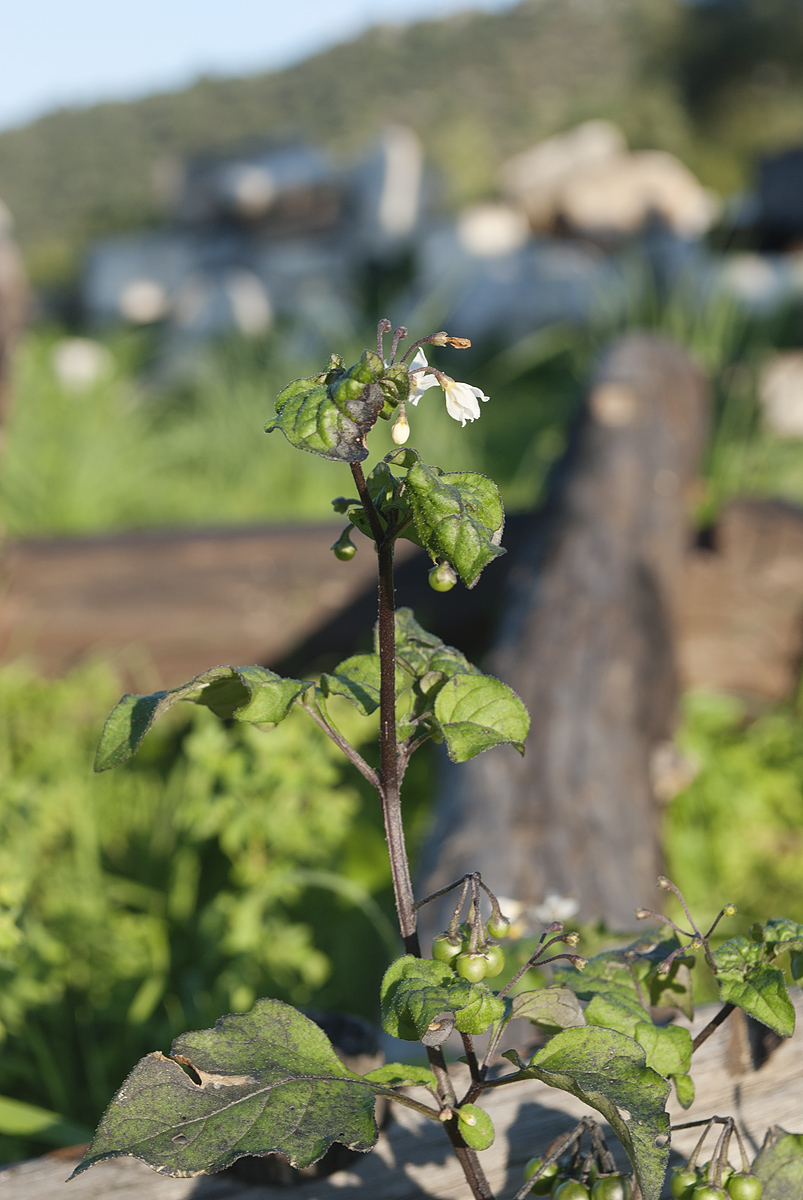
<point>77,52</point>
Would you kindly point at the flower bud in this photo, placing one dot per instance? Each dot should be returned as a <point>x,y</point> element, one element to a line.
<point>401,430</point>
<point>571,939</point>
<point>664,883</point>
<point>642,914</point>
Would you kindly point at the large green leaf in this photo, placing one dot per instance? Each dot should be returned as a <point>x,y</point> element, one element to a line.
<point>330,414</point>
<point>357,678</point>
<point>779,1164</point>
<point>607,1071</point>
<point>747,981</point>
<point>258,1082</point>
<point>458,516</point>
<point>616,972</point>
<point>550,1008</point>
<point>668,1049</point>
<point>418,993</point>
<point>475,712</point>
<point>617,1009</point>
<point>251,694</point>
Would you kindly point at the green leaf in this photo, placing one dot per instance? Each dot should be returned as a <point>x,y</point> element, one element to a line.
<point>781,935</point>
<point>395,384</point>
<point>458,517</point>
<point>779,1164</point>
<point>402,1075</point>
<point>607,1071</point>
<point>684,1086</point>
<point>251,694</point>
<point>550,1008</point>
<point>668,1049</point>
<point>357,678</point>
<point>258,1082</point>
<point>481,1011</point>
<point>617,1009</point>
<point>476,1126</point>
<point>475,712</point>
<point>330,414</point>
<point>745,979</point>
<point>762,995</point>
<point>419,992</point>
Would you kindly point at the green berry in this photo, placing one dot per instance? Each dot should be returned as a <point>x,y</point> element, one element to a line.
<point>442,577</point>
<point>570,1189</point>
<point>543,1184</point>
<point>709,1191</point>
<point>445,951</point>
<point>344,548</point>
<point>495,956</point>
<point>499,927</point>
<point>472,967</point>
<point>744,1187</point>
<point>611,1187</point>
<point>683,1183</point>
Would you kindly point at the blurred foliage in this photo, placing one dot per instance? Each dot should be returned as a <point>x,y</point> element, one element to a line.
<point>715,83</point>
<point>206,873</point>
<point>735,834</point>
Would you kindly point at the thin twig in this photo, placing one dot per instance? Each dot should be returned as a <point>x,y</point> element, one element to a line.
<point>712,1026</point>
<point>351,754</point>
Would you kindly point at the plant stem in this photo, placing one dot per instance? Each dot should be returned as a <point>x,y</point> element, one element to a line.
<point>391,812</point>
<point>388,744</point>
<point>712,1026</point>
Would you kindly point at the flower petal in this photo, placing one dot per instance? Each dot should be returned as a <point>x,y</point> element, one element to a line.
<point>462,401</point>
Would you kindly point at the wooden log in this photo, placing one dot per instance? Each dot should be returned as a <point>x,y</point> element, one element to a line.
<point>412,1158</point>
<point>587,643</point>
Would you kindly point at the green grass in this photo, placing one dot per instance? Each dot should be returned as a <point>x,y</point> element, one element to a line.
<point>140,903</point>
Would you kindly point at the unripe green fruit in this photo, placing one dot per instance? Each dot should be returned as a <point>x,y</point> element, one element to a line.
<point>499,927</point>
<point>442,578</point>
<point>744,1187</point>
<point>611,1187</point>
<point>345,553</point>
<point>542,1185</point>
<point>445,951</point>
<point>570,1189</point>
<point>472,967</point>
<point>495,956</point>
<point>683,1183</point>
<point>708,1191</point>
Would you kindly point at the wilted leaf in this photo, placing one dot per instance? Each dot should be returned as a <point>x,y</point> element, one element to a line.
<point>475,712</point>
<point>330,414</point>
<point>251,694</point>
<point>258,1082</point>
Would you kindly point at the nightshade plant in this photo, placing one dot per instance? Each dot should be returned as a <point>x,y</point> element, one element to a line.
<point>269,1080</point>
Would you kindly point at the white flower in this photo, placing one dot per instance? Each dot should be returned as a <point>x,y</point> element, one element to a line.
<point>462,400</point>
<point>556,908</point>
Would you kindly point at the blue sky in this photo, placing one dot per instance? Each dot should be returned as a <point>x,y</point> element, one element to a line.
<point>68,52</point>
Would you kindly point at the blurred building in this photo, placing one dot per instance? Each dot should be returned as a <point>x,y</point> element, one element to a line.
<point>270,231</point>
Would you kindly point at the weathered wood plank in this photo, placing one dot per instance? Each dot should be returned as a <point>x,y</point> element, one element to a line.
<point>412,1159</point>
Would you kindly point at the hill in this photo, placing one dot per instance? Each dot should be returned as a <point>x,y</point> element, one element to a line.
<point>477,87</point>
